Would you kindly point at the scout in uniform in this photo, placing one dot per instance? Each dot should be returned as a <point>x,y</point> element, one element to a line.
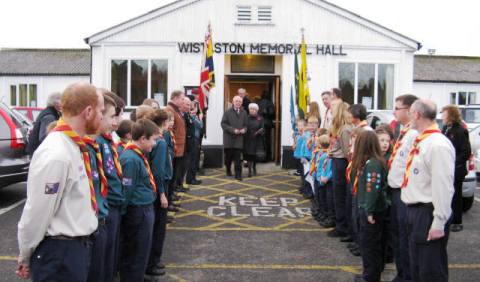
<point>140,194</point>
<point>115,195</point>
<point>427,190</point>
<point>396,169</point>
<point>297,148</point>
<point>369,186</point>
<point>170,140</point>
<point>60,212</point>
<point>124,132</point>
<point>308,146</point>
<point>159,159</point>
<point>317,210</point>
<point>100,183</point>
<point>323,178</point>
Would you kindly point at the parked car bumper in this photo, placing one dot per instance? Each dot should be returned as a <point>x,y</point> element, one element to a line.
<point>469,184</point>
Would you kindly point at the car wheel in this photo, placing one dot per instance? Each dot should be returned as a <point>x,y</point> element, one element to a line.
<point>467,203</point>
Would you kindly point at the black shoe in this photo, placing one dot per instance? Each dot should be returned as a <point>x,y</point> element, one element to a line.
<point>239,178</point>
<point>328,223</point>
<point>155,271</point>
<point>296,173</point>
<point>195,182</point>
<point>160,265</point>
<point>346,239</point>
<point>352,245</point>
<point>172,209</point>
<point>229,173</point>
<point>182,190</point>
<point>356,252</point>
<point>335,234</point>
<point>456,227</point>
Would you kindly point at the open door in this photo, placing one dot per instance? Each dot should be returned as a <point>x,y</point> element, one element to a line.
<point>277,122</point>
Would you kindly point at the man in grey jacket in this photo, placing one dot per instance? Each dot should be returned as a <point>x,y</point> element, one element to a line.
<point>234,125</point>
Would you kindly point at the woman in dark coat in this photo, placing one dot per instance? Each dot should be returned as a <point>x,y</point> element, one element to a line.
<point>253,138</point>
<point>455,131</point>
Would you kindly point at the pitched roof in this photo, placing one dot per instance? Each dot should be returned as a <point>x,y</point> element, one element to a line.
<point>458,69</point>
<point>177,4</point>
<point>44,62</point>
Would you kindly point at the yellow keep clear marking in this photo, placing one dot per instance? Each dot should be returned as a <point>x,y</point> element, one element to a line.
<point>8,258</point>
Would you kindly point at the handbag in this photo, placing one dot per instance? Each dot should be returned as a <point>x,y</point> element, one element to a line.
<point>260,152</point>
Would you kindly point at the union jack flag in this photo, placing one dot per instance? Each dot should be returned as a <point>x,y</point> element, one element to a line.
<point>207,75</point>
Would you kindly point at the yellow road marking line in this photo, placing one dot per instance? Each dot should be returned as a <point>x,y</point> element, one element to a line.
<point>8,258</point>
<point>227,221</point>
<point>177,278</point>
<point>263,229</point>
<point>293,221</point>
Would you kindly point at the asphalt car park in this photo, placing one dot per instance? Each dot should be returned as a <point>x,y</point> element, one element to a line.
<point>268,236</point>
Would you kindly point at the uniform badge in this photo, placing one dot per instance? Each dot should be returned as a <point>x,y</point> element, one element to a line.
<point>415,171</point>
<point>127,181</point>
<point>51,188</point>
<point>95,175</point>
<point>106,148</point>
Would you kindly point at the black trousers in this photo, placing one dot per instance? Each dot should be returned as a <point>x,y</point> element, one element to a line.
<point>428,259</point>
<point>340,194</point>
<point>234,155</point>
<point>159,231</point>
<point>457,201</point>
<point>60,260</point>
<point>191,164</point>
<point>178,168</point>
<point>370,239</point>
<point>398,230</point>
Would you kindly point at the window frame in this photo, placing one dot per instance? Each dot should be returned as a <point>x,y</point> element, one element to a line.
<point>375,92</point>
<point>149,60</point>
<point>28,94</point>
<point>457,97</point>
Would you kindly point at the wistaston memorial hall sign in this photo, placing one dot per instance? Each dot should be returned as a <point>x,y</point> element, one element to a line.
<point>262,48</point>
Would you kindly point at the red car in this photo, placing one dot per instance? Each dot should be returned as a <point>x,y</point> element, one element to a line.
<point>30,112</point>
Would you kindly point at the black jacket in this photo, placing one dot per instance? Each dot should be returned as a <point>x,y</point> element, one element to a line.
<point>267,110</point>
<point>39,131</point>
<point>232,120</point>
<point>254,136</point>
<point>458,135</point>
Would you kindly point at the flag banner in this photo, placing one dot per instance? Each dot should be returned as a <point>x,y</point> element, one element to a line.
<point>303,91</point>
<point>292,111</point>
<point>297,76</point>
<point>207,75</point>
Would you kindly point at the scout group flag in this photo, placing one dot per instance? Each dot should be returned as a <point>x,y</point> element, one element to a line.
<point>303,91</point>
<point>207,75</point>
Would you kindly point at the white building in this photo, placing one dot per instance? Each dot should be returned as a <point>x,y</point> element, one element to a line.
<point>28,76</point>
<point>160,51</point>
<point>448,80</point>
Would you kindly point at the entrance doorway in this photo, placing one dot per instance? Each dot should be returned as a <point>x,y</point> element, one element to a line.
<point>256,86</point>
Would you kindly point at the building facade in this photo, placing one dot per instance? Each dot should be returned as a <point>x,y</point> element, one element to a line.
<point>254,47</point>
<point>29,76</point>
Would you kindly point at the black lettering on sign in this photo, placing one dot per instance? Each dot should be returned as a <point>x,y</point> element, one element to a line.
<point>254,48</point>
<point>281,49</point>
<point>341,51</point>
<point>327,50</point>
<point>184,47</point>
<point>272,48</point>
<point>196,47</point>
<point>218,47</point>
<point>320,49</point>
<point>288,49</point>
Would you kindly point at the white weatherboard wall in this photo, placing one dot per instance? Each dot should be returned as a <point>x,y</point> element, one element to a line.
<point>45,85</point>
<point>440,91</point>
<point>155,36</point>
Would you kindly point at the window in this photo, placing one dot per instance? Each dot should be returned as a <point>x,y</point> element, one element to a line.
<point>347,81</point>
<point>264,14</point>
<point>252,64</point>
<point>119,79</point>
<point>137,80</point>
<point>244,13</point>
<point>463,98</point>
<point>159,80</point>
<point>23,95</point>
<point>367,83</point>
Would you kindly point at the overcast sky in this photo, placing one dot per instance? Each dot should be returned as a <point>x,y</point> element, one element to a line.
<point>450,27</point>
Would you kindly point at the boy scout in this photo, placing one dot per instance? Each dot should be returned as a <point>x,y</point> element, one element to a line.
<point>115,196</point>
<point>100,183</point>
<point>428,192</point>
<point>159,160</point>
<point>60,211</point>
<point>140,194</point>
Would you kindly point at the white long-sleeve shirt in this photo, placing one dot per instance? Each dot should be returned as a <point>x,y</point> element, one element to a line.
<point>399,163</point>
<point>431,178</point>
<point>58,195</point>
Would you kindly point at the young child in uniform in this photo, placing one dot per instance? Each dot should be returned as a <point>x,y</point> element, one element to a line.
<point>307,149</point>
<point>297,148</point>
<point>124,132</point>
<point>324,182</point>
<point>370,184</point>
<point>159,161</point>
<point>313,171</point>
<point>100,184</point>
<point>168,136</point>
<point>140,194</point>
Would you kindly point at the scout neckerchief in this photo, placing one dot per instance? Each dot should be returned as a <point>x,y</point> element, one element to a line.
<point>398,143</point>
<point>116,160</point>
<point>122,144</point>
<point>67,130</point>
<point>311,141</point>
<point>313,164</point>
<point>355,182</point>
<point>98,156</point>
<point>325,161</point>
<point>348,171</point>
<point>133,147</point>
<point>414,151</point>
